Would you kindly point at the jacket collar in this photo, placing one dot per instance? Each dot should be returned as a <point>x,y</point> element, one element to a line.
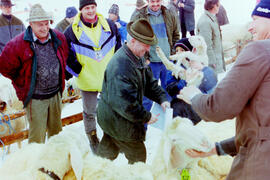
<point>210,15</point>
<point>137,62</point>
<point>149,11</point>
<point>90,25</point>
<point>163,9</point>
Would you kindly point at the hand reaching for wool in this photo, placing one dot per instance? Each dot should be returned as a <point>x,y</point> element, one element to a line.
<point>187,93</point>
<point>165,105</point>
<point>200,154</point>
<point>154,118</point>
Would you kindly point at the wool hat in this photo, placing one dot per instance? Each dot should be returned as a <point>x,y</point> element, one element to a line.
<point>142,31</point>
<point>37,13</point>
<point>114,9</point>
<point>184,43</point>
<point>140,4</point>
<point>71,12</point>
<point>262,9</point>
<point>85,3</point>
<point>6,3</point>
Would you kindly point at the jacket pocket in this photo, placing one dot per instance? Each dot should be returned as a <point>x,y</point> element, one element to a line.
<point>27,55</point>
<point>242,152</point>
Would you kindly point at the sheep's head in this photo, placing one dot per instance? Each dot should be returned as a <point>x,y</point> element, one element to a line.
<point>181,135</point>
<point>6,93</point>
<point>197,42</point>
<point>3,105</point>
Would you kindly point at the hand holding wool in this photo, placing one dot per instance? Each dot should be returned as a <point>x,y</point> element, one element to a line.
<point>187,93</point>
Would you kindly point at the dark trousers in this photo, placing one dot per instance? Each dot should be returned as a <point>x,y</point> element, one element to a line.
<point>184,30</point>
<point>110,147</point>
<point>159,72</point>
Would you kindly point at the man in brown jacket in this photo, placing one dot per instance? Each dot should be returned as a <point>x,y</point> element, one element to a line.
<point>244,93</point>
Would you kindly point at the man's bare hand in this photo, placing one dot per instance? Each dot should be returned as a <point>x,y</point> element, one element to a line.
<point>165,105</point>
<point>187,93</point>
<point>199,154</point>
<point>154,118</point>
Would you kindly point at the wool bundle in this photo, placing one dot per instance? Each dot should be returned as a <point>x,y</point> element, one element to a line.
<point>9,104</point>
<point>67,156</point>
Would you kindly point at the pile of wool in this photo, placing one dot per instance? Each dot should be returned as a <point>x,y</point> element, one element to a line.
<point>214,167</point>
<point>99,168</point>
<point>179,136</point>
<point>61,153</point>
<point>67,155</point>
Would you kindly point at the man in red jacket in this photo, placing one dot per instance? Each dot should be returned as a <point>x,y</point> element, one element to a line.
<point>35,62</point>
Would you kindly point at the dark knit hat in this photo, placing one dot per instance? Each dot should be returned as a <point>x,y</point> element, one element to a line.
<point>183,43</point>
<point>114,9</point>
<point>262,9</point>
<point>85,3</point>
<point>71,12</point>
<point>142,31</point>
<point>6,3</point>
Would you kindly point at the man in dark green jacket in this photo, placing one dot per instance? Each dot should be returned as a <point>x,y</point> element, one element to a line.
<point>127,79</point>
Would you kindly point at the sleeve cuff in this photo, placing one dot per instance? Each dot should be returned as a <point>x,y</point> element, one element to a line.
<point>219,149</point>
<point>193,95</point>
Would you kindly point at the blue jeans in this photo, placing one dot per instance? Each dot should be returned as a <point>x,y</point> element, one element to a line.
<point>159,72</point>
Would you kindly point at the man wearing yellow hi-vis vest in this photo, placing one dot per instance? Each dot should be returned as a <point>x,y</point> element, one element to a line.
<point>92,42</point>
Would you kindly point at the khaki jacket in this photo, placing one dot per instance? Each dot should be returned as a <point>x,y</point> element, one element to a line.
<point>245,94</point>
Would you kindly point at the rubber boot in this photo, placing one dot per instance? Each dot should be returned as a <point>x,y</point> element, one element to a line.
<point>94,141</point>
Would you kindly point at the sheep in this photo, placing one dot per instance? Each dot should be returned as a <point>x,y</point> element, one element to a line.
<point>178,137</point>
<point>199,51</point>
<point>67,156</point>
<point>191,75</point>
<point>214,167</point>
<point>58,155</point>
<point>9,103</point>
<point>232,36</point>
<point>99,168</point>
<point>19,164</point>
